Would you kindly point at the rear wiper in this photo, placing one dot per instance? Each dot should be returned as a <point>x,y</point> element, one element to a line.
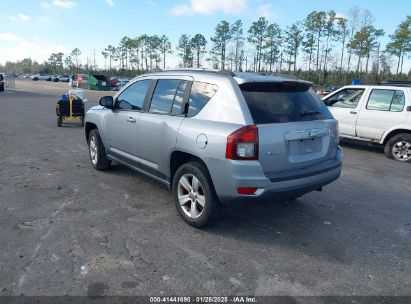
<point>308,113</point>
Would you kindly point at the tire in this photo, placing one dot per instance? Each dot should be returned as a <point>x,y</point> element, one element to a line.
<point>82,121</point>
<point>195,212</point>
<point>59,121</point>
<point>2,89</point>
<point>97,152</point>
<point>399,148</point>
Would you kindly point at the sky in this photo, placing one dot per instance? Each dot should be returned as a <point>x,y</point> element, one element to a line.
<point>37,28</point>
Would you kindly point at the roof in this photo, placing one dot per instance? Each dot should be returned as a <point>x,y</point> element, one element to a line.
<point>240,77</point>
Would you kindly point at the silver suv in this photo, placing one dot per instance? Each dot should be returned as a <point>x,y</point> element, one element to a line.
<point>215,137</point>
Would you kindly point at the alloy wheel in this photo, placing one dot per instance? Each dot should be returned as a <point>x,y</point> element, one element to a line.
<point>191,195</point>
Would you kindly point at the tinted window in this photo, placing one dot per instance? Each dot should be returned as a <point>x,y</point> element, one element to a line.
<point>178,100</point>
<point>133,97</point>
<point>348,98</point>
<point>201,93</point>
<point>163,96</point>
<point>277,103</point>
<point>386,100</point>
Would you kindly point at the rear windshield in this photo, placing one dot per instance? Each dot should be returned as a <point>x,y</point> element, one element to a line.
<point>283,102</point>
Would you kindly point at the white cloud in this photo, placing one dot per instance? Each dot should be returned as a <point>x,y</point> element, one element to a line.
<point>340,15</point>
<point>208,7</point>
<point>265,10</point>
<point>21,48</point>
<point>66,4</point>
<point>110,2</point>
<point>10,37</point>
<point>19,18</point>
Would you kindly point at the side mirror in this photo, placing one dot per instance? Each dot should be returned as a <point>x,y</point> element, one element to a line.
<point>328,103</point>
<point>107,102</point>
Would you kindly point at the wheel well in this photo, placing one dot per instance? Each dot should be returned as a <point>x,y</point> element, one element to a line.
<point>179,158</point>
<point>87,129</point>
<point>395,132</point>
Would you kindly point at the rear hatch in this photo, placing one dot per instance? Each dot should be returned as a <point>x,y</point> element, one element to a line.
<point>296,130</point>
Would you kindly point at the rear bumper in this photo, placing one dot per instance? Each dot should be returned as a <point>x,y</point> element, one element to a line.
<point>275,187</point>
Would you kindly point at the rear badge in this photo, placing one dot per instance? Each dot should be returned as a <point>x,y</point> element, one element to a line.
<point>312,134</point>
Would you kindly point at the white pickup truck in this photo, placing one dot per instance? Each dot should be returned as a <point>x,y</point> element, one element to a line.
<point>378,114</point>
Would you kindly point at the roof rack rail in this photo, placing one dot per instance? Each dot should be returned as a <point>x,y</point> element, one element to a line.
<point>392,83</point>
<point>201,70</point>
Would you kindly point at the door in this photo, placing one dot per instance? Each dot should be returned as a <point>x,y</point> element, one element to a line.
<point>385,108</point>
<point>121,125</point>
<point>159,126</point>
<point>344,106</point>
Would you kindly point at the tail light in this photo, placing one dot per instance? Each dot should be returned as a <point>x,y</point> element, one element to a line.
<point>243,144</point>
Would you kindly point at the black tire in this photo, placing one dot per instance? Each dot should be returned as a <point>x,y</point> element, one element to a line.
<point>2,89</point>
<point>59,121</point>
<point>392,142</point>
<point>101,162</point>
<point>211,208</point>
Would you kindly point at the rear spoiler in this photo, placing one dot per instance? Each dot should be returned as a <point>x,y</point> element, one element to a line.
<point>277,86</point>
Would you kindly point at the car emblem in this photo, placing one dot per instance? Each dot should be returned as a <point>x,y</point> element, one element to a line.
<point>312,134</point>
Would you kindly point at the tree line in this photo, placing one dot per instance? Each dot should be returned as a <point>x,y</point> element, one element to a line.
<point>324,47</point>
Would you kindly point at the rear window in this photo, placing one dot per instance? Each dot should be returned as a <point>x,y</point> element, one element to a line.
<point>282,102</point>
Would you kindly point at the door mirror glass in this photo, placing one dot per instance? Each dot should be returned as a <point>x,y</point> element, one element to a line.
<point>107,102</point>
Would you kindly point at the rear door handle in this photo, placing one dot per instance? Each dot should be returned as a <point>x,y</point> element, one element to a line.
<point>131,119</point>
<point>353,112</point>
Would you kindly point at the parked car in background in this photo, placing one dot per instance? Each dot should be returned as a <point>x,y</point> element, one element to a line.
<point>215,137</point>
<point>82,81</point>
<point>113,81</point>
<point>63,78</point>
<point>39,77</point>
<point>1,83</point>
<point>377,114</point>
<point>121,83</point>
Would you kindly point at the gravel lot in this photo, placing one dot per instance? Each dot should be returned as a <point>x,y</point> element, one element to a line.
<point>67,229</point>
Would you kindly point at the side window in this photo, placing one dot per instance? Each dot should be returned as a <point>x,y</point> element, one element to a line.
<point>163,96</point>
<point>133,97</point>
<point>178,100</point>
<point>348,98</point>
<point>386,100</point>
<point>201,93</point>
<point>398,102</point>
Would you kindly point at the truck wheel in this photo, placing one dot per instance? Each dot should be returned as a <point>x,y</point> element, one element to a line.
<point>97,151</point>
<point>399,148</point>
<point>194,195</point>
<point>59,121</point>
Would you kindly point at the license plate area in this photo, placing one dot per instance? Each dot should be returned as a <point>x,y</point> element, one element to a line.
<point>299,147</point>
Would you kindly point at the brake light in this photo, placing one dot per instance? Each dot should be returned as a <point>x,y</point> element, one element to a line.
<point>242,144</point>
